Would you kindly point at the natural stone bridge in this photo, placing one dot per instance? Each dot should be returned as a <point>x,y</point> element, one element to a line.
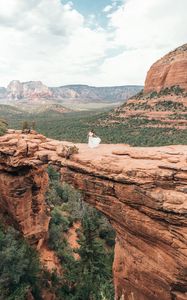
<point>142,191</point>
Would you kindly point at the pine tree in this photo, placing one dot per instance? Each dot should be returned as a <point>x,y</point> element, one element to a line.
<point>19,266</point>
<point>88,278</point>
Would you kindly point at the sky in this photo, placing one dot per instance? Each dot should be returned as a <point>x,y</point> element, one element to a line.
<point>95,42</point>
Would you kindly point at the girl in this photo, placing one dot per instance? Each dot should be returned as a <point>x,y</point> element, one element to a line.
<point>93,140</point>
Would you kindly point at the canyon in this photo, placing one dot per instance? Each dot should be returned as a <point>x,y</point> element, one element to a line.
<point>142,191</point>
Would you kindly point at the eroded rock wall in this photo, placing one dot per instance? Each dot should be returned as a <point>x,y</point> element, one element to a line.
<point>151,247</point>
<point>24,181</point>
<point>22,198</point>
<point>142,191</point>
<point>168,71</point>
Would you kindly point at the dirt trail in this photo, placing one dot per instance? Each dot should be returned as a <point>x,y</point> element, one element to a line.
<point>49,259</point>
<point>72,238</point>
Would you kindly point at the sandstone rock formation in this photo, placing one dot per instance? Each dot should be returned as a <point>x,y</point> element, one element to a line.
<point>168,111</point>
<point>168,71</point>
<point>163,102</point>
<point>22,190</point>
<point>23,181</point>
<point>142,191</point>
<point>27,90</point>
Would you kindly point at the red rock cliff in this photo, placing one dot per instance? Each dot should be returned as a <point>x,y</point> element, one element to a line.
<point>23,184</point>
<point>168,71</point>
<point>142,191</point>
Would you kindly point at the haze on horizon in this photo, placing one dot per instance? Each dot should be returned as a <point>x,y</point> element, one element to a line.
<point>101,43</point>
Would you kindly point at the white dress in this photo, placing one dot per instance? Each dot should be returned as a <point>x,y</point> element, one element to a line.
<point>93,141</point>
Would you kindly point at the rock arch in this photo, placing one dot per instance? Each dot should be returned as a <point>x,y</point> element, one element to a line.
<point>142,191</point>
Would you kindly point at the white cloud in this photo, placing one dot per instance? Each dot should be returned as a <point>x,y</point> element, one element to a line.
<point>150,23</point>
<point>129,67</point>
<point>107,8</point>
<point>45,40</point>
<point>147,30</point>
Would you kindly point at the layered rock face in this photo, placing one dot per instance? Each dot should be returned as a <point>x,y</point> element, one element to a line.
<point>27,90</point>
<point>22,189</point>
<point>22,198</point>
<point>168,71</point>
<point>142,191</point>
<point>24,181</point>
<point>163,102</point>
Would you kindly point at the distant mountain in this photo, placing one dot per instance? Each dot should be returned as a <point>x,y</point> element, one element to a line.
<point>32,90</point>
<point>114,93</point>
<point>3,92</point>
<point>36,90</point>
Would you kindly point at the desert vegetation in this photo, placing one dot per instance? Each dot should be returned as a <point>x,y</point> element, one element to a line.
<point>20,270</point>
<point>90,275</point>
<point>173,90</point>
<point>170,106</point>
<point>3,127</point>
<point>74,127</point>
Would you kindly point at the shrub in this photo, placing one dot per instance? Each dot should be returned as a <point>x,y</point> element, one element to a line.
<point>170,105</point>
<point>59,188</point>
<point>110,239</point>
<point>154,94</point>
<point>59,219</point>
<point>33,125</point>
<point>3,127</point>
<point>25,125</point>
<point>53,174</point>
<point>108,235</point>
<point>177,90</point>
<point>103,233</point>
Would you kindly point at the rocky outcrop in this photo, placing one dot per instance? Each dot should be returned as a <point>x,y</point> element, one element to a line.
<point>142,191</point>
<point>170,70</point>
<point>167,111</point>
<point>22,189</point>
<point>23,182</point>
<point>163,102</point>
<point>31,90</point>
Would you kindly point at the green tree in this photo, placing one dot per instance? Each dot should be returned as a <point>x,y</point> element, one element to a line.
<point>33,125</point>
<point>25,125</point>
<point>3,127</point>
<point>19,267</point>
<point>89,278</point>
